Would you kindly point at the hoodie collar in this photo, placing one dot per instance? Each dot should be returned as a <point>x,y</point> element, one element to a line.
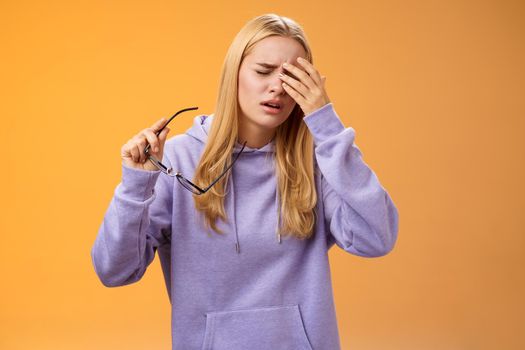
<point>200,129</point>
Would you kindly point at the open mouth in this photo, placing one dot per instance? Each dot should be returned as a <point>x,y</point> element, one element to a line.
<point>272,106</point>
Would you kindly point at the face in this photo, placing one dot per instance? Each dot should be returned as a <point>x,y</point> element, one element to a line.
<point>259,82</point>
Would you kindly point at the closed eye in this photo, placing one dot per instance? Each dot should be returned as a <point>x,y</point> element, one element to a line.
<point>288,74</point>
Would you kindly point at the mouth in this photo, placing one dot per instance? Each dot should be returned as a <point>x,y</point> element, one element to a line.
<point>272,106</point>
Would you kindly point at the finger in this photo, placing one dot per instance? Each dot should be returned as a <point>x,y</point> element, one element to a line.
<point>125,151</point>
<point>158,124</point>
<point>302,76</point>
<point>140,143</point>
<point>162,139</point>
<point>152,139</point>
<point>314,74</point>
<point>297,85</point>
<point>163,136</point>
<point>142,156</point>
<point>294,94</point>
<point>132,151</point>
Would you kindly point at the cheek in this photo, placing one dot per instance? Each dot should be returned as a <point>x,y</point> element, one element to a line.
<point>253,85</point>
<point>246,86</point>
<point>291,105</point>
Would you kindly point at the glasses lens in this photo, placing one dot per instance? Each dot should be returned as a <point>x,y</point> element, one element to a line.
<point>187,185</point>
<point>160,166</point>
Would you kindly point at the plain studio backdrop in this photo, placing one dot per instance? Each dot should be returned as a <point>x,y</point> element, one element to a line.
<point>434,90</point>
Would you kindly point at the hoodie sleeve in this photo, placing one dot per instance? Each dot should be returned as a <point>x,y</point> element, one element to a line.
<point>359,212</point>
<point>136,223</point>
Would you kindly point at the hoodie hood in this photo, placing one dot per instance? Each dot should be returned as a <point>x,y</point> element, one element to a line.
<point>199,131</point>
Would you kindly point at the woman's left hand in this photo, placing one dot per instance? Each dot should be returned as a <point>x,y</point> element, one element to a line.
<point>308,91</point>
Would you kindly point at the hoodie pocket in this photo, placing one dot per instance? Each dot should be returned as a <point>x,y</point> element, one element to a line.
<point>278,327</point>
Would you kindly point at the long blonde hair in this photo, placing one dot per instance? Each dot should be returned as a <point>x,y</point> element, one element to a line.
<point>294,155</point>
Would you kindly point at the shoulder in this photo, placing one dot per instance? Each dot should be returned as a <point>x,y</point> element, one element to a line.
<point>181,141</point>
<point>183,147</point>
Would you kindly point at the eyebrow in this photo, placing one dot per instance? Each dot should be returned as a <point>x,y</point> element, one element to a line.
<point>267,65</point>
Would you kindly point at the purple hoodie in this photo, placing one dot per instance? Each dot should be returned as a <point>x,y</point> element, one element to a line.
<point>249,288</point>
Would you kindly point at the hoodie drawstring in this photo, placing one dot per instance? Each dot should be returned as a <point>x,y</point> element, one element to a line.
<point>278,215</point>
<point>234,218</point>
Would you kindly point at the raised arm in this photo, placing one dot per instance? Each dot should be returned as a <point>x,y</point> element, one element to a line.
<point>360,214</point>
<point>138,219</point>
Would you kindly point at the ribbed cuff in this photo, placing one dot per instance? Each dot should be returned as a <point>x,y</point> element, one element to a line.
<point>138,184</point>
<point>324,123</point>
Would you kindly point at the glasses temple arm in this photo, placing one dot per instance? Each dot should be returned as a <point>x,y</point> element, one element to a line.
<point>146,149</point>
<point>227,168</point>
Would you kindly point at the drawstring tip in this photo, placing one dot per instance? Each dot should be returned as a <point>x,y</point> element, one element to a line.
<point>237,247</point>
<point>279,238</point>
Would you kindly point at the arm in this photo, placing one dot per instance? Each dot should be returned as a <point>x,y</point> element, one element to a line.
<point>136,223</point>
<point>360,214</point>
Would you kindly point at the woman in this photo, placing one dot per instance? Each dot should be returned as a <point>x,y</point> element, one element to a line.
<point>246,260</point>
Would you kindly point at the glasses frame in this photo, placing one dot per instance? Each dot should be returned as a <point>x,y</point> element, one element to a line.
<point>187,184</point>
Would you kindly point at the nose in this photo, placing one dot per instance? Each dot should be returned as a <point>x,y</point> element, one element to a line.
<point>276,85</point>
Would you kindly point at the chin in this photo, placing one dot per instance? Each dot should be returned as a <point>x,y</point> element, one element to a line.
<point>272,121</point>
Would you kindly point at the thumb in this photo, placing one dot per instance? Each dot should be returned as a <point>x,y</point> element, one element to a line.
<point>158,124</point>
<point>164,135</point>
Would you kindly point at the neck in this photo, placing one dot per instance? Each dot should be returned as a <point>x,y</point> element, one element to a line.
<point>255,137</point>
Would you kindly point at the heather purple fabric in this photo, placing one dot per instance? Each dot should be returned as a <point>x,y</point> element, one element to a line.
<point>267,295</point>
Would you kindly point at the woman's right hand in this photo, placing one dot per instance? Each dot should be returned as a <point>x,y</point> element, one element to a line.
<point>132,153</point>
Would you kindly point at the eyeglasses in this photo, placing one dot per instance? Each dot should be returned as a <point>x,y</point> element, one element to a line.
<point>187,184</point>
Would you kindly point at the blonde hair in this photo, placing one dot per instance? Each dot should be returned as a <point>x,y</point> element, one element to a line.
<point>294,155</point>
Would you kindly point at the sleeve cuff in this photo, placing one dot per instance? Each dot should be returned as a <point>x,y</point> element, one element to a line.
<point>324,123</point>
<point>138,184</point>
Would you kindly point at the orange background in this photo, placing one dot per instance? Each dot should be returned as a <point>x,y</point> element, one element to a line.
<point>434,90</point>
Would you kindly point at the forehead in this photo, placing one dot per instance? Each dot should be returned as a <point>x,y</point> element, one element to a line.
<point>275,49</point>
